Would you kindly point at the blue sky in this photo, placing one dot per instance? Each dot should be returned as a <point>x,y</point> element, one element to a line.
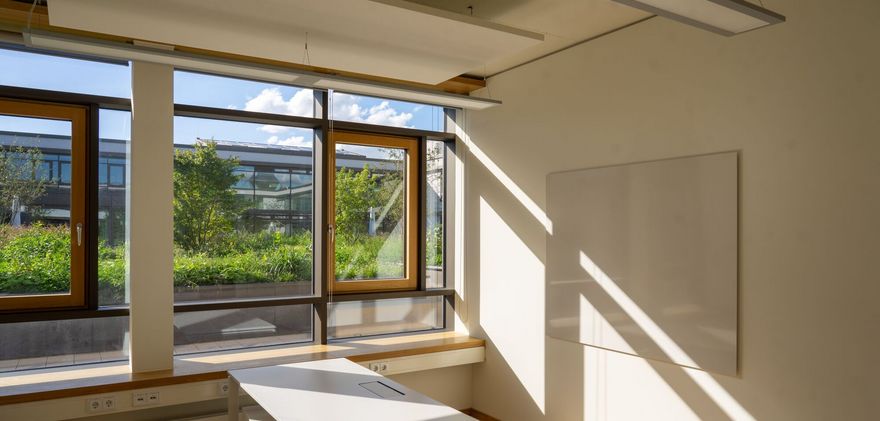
<point>80,76</point>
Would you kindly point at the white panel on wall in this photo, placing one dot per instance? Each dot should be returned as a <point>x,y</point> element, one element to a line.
<point>643,259</point>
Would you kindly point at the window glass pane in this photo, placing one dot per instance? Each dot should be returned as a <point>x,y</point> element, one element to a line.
<point>35,248</point>
<point>215,330</point>
<point>64,178</point>
<point>435,178</point>
<point>117,175</point>
<point>238,94</point>
<point>375,317</point>
<point>236,234</point>
<point>370,212</point>
<point>114,134</point>
<point>40,71</point>
<point>63,342</point>
<point>385,112</point>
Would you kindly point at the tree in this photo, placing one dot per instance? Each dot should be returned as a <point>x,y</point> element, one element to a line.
<point>21,183</point>
<point>205,203</point>
<point>355,194</point>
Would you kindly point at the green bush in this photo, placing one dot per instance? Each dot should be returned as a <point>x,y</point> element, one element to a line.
<point>36,259</point>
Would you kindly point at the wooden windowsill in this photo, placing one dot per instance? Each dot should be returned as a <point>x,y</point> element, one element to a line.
<point>62,382</point>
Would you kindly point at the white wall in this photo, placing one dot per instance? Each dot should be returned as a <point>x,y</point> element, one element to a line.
<point>801,102</point>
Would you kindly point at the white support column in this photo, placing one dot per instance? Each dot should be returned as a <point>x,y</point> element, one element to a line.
<point>149,228</point>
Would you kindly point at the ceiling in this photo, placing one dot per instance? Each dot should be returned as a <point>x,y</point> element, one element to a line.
<point>563,23</point>
<point>427,41</point>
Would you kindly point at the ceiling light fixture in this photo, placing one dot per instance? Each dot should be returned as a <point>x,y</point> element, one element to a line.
<point>725,17</point>
<point>158,53</point>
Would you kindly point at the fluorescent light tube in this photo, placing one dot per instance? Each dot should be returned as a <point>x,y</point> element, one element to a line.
<point>393,92</point>
<point>726,17</point>
<point>177,59</point>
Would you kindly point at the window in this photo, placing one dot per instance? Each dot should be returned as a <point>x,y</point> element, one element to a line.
<point>62,240</point>
<point>374,213</point>
<point>215,330</point>
<point>238,94</point>
<point>386,112</point>
<point>41,71</point>
<point>114,134</point>
<point>237,233</point>
<point>258,179</point>
<point>44,225</point>
<point>378,317</point>
<point>435,212</point>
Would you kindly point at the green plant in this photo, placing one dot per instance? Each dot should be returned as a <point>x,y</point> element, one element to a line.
<point>205,204</point>
<point>34,259</point>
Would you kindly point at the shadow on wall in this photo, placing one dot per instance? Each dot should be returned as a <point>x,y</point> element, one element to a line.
<point>528,376</point>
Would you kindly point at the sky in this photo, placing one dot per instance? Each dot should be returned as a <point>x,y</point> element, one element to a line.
<point>69,75</point>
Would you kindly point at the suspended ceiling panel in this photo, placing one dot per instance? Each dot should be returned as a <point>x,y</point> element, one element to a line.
<point>563,23</point>
<point>389,38</point>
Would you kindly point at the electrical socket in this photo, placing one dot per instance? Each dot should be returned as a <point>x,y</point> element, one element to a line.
<point>144,398</point>
<point>138,399</point>
<point>104,403</point>
<point>379,367</point>
<point>93,405</point>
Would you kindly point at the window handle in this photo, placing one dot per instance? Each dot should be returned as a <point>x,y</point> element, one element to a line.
<point>331,232</point>
<point>79,234</point>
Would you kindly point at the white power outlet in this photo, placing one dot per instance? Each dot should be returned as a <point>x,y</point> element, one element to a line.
<point>379,367</point>
<point>104,403</point>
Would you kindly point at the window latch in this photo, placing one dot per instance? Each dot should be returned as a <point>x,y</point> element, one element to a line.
<point>79,234</point>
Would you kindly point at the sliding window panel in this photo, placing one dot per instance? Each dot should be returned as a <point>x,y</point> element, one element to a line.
<point>217,330</point>
<point>377,317</point>
<point>242,210</point>
<point>43,224</point>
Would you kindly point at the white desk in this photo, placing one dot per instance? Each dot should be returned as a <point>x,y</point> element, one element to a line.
<point>336,389</point>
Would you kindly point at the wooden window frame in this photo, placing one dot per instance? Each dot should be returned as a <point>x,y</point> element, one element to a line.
<point>410,281</point>
<point>78,117</point>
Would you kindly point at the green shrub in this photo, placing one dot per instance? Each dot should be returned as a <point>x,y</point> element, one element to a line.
<point>34,259</point>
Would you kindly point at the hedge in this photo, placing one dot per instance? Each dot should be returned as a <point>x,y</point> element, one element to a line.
<point>36,259</point>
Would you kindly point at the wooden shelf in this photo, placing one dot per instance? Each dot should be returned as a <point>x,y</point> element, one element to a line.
<point>63,382</point>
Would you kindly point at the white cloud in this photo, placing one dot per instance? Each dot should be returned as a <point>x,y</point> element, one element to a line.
<point>271,100</point>
<point>347,107</point>
<point>290,141</point>
<point>274,129</point>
